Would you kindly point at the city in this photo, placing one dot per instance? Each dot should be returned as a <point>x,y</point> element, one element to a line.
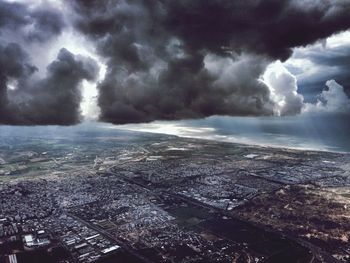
<point>141,197</point>
<point>174,131</point>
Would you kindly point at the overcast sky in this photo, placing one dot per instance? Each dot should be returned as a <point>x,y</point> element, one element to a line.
<point>135,61</point>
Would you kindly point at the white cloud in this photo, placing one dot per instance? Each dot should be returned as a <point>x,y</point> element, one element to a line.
<point>337,40</point>
<point>284,92</point>
<point>88,105</point>
<point>284,89</point>
<point>332,100</point>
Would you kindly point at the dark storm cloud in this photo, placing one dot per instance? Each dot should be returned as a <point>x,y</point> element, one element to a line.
<point>263,26</point>
<point>12,15</point>
<point>30,24</point>
<point>55,99</point>
<point>26,99</point>
<point>13,65</point>
<point>165,59</point>
<point>191,58</point>
<point>46,23</point>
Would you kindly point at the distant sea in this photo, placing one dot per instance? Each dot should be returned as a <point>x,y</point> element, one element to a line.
<point>327,132</point>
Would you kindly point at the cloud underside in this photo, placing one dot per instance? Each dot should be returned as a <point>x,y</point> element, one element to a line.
<point>165,59</point>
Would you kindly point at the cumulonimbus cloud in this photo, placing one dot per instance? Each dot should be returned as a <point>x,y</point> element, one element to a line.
<point>54,99</point>
<point>191,59</point>
<point>25,98</point>
<point>165,59</point>
<point>38,24</point>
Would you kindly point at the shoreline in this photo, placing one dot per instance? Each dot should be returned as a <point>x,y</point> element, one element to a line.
<point>246,144</point>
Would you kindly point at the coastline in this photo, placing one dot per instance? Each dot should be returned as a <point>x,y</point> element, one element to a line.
<point>245,144</point>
